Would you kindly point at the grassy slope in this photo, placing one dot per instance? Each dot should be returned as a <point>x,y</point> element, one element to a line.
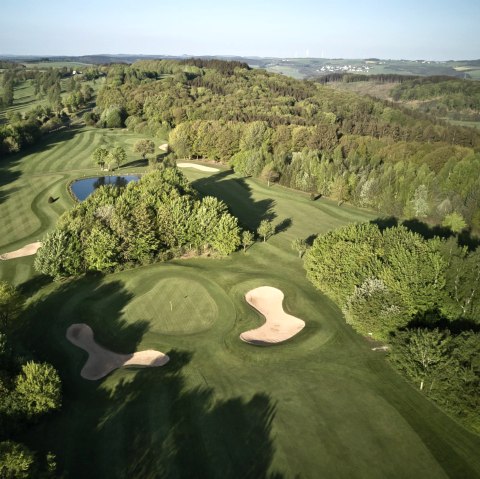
<point>322,405</point>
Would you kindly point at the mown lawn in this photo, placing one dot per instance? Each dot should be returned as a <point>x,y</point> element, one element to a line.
<point>321,405</point>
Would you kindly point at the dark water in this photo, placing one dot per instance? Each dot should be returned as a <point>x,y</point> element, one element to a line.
<point>83,188</point>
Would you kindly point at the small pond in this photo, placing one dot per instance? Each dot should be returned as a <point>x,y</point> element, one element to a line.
<point>84,188</point>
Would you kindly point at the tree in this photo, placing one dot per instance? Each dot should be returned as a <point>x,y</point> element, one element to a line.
<point>16,461</point>
<point>266,229</point>
<point>420,353</point>
<point>101,248</point>
<point>247,239</point>
<point>61,255</point>
<point>38,388</point>
<point>100,156</point>
<point>117,156</point>
<point>11,304</point>
<point>300,246</point>
<point>454,221</point>
<point>144,147</point>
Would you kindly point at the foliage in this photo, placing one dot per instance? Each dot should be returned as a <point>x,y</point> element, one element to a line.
<point>265,229</point>
<point>137,224</point>
<point>11,304</point>
<point>300,246</point>
<point>454,221</point>
<point>16,461</point>
<point>38,388</point>
<point>247,239</point>
<point>99,156</point>
<point>144,147</point>
<point>383,279</point>
<point>444,367</point>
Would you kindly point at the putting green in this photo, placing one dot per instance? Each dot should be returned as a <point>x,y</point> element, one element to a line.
<point>175,305</point>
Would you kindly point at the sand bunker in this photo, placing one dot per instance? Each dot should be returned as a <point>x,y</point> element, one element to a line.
<point>27,250</point>
<point>101,361</point>
<point>197,167</point>
<point>279,326</point>
<point>164,147</point>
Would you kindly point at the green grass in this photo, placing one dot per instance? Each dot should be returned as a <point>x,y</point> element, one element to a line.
<point>321,405</point>
<point>30,177</point>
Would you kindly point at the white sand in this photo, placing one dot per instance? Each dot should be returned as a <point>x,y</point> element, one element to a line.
<point>164,147</point>
<point>101,361</point>
<point>197,167</point>
<point>279,326</point>
<point>27,250</point>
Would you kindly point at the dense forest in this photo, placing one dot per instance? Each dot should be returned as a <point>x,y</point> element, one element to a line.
<point>442,96</point>
<point>420,295</point>
<point>157,218</point>
<point>303,135</point>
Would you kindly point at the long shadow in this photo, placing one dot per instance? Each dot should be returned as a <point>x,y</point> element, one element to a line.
<point>136,163</point>
<point>7,162</point>
<point>434,319</point>
<point>171,431</point>
<point>148,422</point>
<point>238,195</point>
<point>283,225</point>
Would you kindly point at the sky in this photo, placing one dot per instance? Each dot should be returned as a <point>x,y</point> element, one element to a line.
<point>389,29</point>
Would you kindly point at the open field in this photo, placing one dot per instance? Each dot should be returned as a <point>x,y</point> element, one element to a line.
<point>320,405</point>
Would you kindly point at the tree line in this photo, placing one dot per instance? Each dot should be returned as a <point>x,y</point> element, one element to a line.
<point>419,295</point>
<point>157,218</point>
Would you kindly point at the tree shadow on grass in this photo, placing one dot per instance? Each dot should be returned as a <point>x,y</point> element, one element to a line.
<point>172,431</point>
<point>86,300</point>
<point>283,225</point>
<point>7,162</point>
<point>134,163</point>
<point>137,422</point>
<point>237,194</point>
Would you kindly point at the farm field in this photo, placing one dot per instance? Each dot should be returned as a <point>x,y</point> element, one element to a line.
<point>321,405</point>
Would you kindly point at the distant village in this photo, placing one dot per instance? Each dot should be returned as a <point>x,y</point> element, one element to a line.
<point>344,69</point>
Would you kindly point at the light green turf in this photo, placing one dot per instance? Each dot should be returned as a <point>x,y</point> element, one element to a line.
<point>321,405</point>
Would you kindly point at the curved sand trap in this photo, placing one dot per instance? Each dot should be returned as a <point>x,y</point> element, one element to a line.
<point>197,167</point>
<point>101,361</point>
<point>279,326</point>
<point>27,250</point>
<point>164,147</point>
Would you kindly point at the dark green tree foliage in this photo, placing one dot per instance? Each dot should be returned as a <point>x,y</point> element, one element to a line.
<point>28,390</point>
<point>137,224</point>
<point>11,304</point>
<point>16,461</point>
<point>382,280</point>
<point>445,367</point>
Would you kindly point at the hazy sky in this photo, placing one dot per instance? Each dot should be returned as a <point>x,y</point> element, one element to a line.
<point>410,29</point>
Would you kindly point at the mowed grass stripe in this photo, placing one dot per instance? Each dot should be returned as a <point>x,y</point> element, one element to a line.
<point>23,216</point>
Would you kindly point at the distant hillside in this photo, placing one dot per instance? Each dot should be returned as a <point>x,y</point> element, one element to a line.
<point>295,67</point>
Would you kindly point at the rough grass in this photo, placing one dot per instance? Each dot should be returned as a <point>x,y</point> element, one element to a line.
<point>321,405</point>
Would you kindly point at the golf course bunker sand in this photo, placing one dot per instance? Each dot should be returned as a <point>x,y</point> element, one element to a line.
<point>197,167</point>
<point>101,361</point>
<point>27,250</point>
<point>279,326</point>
